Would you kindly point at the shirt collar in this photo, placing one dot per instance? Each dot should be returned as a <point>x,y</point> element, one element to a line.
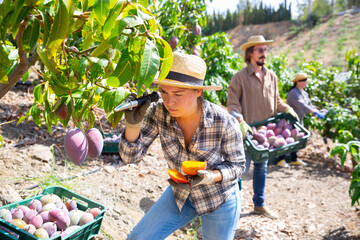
<point>251,70</point>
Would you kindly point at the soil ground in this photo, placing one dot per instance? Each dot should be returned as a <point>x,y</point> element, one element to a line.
<point>312,201</point>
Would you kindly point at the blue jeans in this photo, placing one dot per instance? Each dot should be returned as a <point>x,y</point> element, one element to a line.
<point>259,179</point>
<point>164,218</point>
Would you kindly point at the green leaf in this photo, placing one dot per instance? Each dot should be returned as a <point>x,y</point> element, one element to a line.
<point>31,35</point>
<point>100,49</point>
<point>50,64</point>
<point>337,148</point>
<point>35,113</point>
<point>144,3</point>
<point>25,77</point>
<point>3,74</point>
<point>167,59</point>
<point>87,41</point>
<point>111,20</point>
<point>101,10</point>
<point>122,72</point>
<point>1,141</point>
<point>149,65</point>
<point>4,60</point>
<point>355,196</point>
<point>83,66</point>
<point>47,27</point>
<point>59,29</point>
<point>38,94</point>
<point>126,22</point>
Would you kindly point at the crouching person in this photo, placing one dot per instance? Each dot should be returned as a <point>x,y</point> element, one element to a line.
<point>189,128</point>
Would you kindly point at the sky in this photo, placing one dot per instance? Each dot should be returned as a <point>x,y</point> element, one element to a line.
<point>224,5</point>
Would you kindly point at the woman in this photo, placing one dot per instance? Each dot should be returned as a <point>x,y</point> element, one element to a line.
<point>189,128</point>
<point>299,100</point>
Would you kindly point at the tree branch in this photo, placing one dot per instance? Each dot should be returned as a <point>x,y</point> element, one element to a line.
<point>24,65</point>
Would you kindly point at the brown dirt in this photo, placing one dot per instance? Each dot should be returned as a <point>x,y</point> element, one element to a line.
<point>312,201</point>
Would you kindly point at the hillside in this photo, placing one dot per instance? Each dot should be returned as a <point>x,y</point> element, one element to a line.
<point>327,42</point>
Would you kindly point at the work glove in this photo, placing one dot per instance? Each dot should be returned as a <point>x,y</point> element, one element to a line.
<point>292,112</point>
<point>319,114</point>
<point>244,127</point>
<point>203,177</point>
<point>135,116</point>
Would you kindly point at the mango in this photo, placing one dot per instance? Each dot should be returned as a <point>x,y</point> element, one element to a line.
<point>41,233</point>
<point>70,229</point>
<point>290,140</point>
<point>36,220</point>
<point>300,136</point>
<point>29,214</point>
<point>48,207</point>
<point>278,131</point>
<point>62,112</point>
<point>76,146</point>
<point>30,228</point>
<point>191,167</point>
<point>50,227</point>
<point>294,132</point>
<point>95,211</point>
<point>286,133</point>
<point>96,142</point>
<point>272,139</point>
<point>24,208</point>
<point>269,133</point>
<point>279,142</point>
<point>271,126</point>
<point>259,137</point>
<point>197,30</point>
<point>61,218</point>
<point>281,123</point>
<point>45,216</point>
<point>75,216</point>
<point>173,42</point>
<point>86,218</point>
<point>45,199</point>
<point>71,204</point>
<point>35,204</point>
<point>55,198</point>
<point>17,213</point>
<point>19,223</point>
<point>177,176</point>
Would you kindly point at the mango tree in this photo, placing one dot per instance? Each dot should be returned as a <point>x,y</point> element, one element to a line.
<point>92,53</point>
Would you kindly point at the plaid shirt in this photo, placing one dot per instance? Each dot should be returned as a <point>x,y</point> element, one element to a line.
<point>217,141</point>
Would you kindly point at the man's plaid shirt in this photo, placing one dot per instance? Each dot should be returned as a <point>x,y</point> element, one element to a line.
<point>217,141</point>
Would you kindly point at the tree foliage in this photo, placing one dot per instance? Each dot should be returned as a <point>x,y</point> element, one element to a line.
<point>247,13</point>
<point>93,52</point>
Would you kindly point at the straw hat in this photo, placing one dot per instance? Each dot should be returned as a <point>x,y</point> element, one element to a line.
<point>255,40</point>
<point>300,76</point>
<point>187,71</point>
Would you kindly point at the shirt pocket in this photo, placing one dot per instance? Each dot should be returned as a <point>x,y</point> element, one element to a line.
<point>208,151</point>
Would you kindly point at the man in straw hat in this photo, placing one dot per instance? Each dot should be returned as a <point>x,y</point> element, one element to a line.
<point>189,128</point>
<point>253,96</point>
<point>299,100</point>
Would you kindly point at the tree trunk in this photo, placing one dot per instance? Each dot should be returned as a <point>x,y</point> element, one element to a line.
<point>309,9</point>
<point>17,74</point>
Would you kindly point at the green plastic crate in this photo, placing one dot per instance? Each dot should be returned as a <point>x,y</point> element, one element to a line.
<point>261,155</point>
<point>110,147</point>
<point>87,231</point>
